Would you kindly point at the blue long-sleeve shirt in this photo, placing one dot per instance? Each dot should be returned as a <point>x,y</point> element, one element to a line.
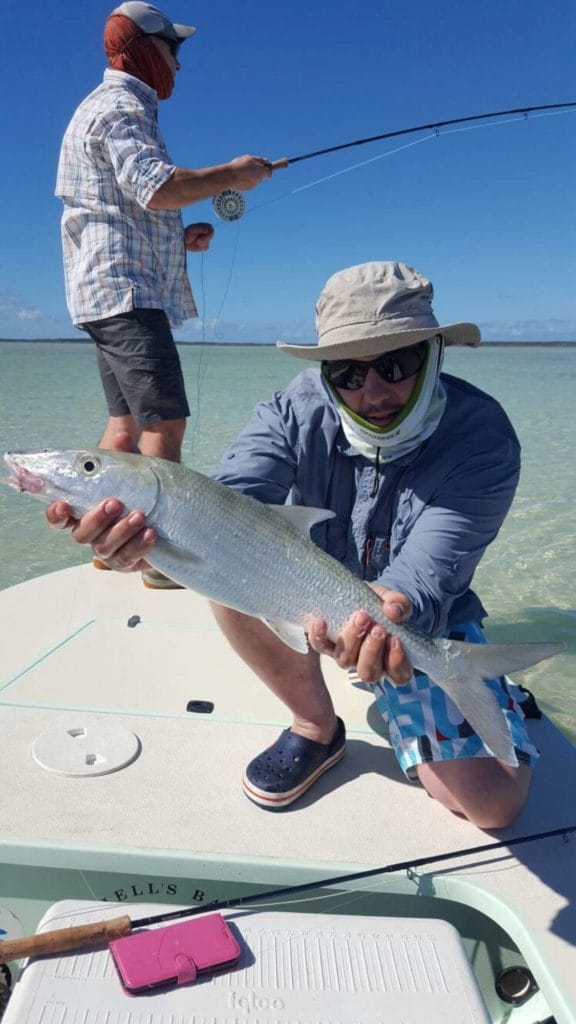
<point>418,525</point>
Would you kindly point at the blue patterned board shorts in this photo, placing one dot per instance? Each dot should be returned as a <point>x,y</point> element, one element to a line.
<point>425,724</point>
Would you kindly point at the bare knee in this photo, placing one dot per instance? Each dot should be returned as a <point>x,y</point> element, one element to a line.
<point>487,792</point>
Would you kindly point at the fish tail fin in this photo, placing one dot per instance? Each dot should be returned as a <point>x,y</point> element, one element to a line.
<point>493,660</point>
<point>478,704</point>
<point>481,709</point>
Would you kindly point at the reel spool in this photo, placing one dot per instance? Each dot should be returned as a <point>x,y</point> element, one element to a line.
<point>229,205</point>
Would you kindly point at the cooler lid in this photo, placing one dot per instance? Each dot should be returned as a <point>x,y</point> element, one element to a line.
<point>294,967</point>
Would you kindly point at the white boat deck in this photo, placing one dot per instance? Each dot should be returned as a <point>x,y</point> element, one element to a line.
<point>69,660</point>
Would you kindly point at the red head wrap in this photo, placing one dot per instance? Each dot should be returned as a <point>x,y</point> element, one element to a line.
<point>129,50</point>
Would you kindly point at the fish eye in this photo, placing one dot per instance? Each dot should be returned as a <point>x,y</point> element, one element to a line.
<point>88,465</point>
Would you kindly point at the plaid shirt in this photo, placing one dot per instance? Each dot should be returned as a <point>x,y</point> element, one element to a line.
<point>118,254</point>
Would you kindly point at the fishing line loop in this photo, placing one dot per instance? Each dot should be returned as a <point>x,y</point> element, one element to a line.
<point>203,358</point>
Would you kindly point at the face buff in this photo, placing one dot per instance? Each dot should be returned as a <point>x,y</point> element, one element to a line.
<point>135,54</point>
<point>413,425</point>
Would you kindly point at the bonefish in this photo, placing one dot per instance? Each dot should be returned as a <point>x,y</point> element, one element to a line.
<point>260,560</point>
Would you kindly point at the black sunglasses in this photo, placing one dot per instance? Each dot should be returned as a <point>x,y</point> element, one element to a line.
<point>350,374</point>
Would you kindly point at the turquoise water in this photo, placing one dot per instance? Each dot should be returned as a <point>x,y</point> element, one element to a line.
<point>527,580</point>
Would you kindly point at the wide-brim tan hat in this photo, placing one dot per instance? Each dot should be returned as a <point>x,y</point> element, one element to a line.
<point>374,308</point>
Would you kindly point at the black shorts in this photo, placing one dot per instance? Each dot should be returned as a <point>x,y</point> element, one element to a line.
<point>139,366</point>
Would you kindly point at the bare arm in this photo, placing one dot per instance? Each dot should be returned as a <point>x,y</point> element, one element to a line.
<point>187,186</point>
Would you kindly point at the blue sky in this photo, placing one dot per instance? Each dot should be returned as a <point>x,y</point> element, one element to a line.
<point>489,215</point>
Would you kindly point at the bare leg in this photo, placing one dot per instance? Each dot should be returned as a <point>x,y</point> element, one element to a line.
<point>120,425</point>
<point>163,440</point>
<point>484,790</point>
<point>296,679</point>
<point>487,792</point>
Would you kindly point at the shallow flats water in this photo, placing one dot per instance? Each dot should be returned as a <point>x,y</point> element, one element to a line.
<point>527,580</point>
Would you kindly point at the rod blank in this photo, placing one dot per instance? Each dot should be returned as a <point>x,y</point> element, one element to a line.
<point>433,126</point>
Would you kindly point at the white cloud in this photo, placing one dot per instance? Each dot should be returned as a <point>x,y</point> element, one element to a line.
<point>22,322</point>
<point>31,314</point>
<point>14,310</point>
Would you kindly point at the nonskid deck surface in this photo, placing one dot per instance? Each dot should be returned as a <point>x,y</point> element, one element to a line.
<point>71,661</point>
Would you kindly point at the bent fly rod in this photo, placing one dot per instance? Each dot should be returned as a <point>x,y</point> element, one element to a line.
<point>230,204</point>
<point>64,940</point>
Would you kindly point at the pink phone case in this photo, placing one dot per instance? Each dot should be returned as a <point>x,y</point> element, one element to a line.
<point>174,955</point>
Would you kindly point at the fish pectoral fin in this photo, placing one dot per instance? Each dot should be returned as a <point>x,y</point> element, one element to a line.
<point>302,517</point>
<point>180,565</point>
<point>289,633</point>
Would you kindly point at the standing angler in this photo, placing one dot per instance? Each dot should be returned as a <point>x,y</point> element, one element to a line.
<point>420,469</point>
<point>123,238</point>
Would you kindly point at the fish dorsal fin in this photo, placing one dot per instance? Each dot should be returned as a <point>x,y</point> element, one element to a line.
<point>289,633</point>
<point>302,517</point>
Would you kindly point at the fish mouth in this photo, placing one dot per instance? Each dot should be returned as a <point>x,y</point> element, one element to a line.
<point>22,479</point>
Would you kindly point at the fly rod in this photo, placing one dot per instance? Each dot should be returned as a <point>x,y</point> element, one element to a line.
<point>230,205</point>
<point>64,940</point>
<point>433,126</point>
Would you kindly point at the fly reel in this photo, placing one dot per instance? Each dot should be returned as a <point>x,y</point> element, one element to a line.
<point>229,205</point>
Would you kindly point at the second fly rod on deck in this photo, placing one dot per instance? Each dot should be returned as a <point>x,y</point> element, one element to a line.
<point>76,937</point>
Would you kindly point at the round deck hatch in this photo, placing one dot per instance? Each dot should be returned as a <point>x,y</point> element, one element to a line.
<point>85,750</point>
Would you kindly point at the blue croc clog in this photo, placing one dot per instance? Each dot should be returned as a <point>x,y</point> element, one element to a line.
<point>284,771</point>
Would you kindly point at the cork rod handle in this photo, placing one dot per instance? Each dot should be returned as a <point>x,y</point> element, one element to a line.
<point>277,164</point>
<point>64,939</point>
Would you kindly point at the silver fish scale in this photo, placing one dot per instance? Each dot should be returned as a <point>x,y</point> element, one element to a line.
<point>251,557</point>
<point>278,572</point>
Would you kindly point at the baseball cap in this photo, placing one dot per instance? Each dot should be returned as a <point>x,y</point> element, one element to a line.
<point>152,21</point>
